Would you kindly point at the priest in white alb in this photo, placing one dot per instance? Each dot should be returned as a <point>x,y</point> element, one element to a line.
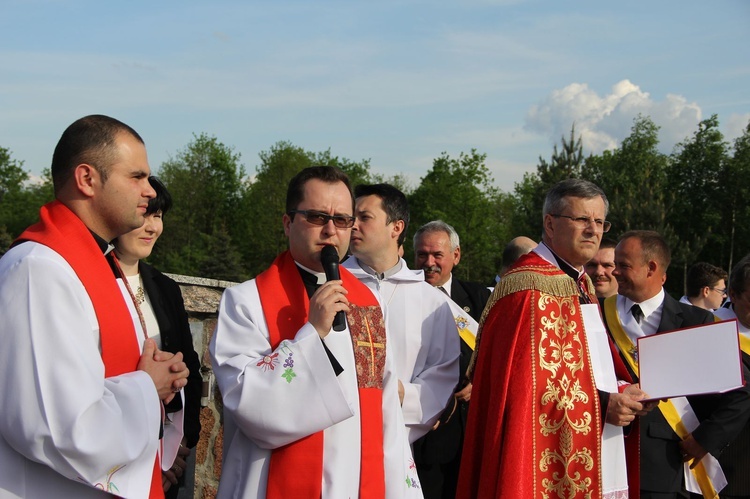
<point>420,321</point>
<point>309,411</point>
<point>82,388</point>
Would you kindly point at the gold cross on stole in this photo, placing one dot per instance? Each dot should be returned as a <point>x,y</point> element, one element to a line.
<point>371,345</point>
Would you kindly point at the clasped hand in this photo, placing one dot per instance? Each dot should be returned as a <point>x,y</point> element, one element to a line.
<point>624,407</point>
<point>166,369</point>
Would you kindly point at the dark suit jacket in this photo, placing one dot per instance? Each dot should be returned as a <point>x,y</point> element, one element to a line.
<point>722,416</point>
<point>735,460</point>
<point>169,308</point>
<point>444,444</point>
<point>471,296</point>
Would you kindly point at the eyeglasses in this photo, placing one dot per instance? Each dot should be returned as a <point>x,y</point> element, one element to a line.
<point>722,292</point>
<point>318,218</point>
<point>585,222</point>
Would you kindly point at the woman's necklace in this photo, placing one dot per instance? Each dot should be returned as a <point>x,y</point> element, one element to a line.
<point>132,295</point>
<point>140,296</point>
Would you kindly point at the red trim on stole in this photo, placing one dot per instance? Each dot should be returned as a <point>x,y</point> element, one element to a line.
<point>62,231</point>
<point>296,470</point>
<point>521,438</point>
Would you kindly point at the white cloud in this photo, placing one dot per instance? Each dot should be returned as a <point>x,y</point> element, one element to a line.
<point>603,121</point>
<point>735,126</point>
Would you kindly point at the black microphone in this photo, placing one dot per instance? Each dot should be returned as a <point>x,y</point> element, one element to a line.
<point>329,258</point>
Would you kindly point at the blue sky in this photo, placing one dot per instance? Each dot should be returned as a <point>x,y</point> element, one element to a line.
<point>397,82</point>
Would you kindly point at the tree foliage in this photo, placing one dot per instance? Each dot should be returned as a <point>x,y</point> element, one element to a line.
<point>530,192</point>
<point>226,225</point>
<point>734,183</point>
<point>19,199</point>
<point>634,179</point>
<point>263,198</point>
<point>460,191</point>
<point>204,180</point>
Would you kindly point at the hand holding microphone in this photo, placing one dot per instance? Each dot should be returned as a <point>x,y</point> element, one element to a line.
<point>329,304</point>
<point>329,257</point>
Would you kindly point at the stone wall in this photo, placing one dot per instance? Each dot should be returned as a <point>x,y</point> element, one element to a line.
<point>202,304</point>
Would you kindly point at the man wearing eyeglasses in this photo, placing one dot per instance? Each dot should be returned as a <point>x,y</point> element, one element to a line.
<point>682,430</point>
<point>546,416</point>
<point>706,286</point>
<point>310,411</point>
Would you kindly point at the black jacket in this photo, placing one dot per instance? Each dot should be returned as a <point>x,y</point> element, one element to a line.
<point>735,460</point>
<point>444,444</point>
<point>721,416</point>
<point>169,308</point>
<point>471,296</point>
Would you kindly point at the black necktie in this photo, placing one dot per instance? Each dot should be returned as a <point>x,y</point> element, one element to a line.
<point>443,290</point>
<point>637,313</point>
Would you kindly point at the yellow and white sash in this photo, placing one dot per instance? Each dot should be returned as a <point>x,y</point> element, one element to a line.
<point>745,343</point>
<point>466,325</point>
<point>707,477</point>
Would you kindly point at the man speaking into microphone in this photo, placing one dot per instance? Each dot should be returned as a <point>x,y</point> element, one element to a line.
<point>309,411</point>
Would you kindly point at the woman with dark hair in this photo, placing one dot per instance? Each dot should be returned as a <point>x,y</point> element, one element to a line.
<point>160,307</point>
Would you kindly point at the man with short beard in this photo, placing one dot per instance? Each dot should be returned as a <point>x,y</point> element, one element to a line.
<point>438,455</point>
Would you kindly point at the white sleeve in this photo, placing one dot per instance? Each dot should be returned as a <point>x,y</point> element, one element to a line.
<point>60,410</point>
<point>274,396</point>
<point>436,371</point>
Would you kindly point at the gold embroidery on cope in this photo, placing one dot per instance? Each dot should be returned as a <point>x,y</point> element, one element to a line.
<point>561,353</point>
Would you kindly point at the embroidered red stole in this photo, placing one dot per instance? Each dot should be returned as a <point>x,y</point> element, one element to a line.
<point>62,231</point>
<point>296,470</point>
<point>534,414</point>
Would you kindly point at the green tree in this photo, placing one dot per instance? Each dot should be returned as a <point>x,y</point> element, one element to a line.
<point>12,178</point>
<point>735,210</point>
<point>225,263</point>
<point>460,191</point>
<point>531,191</point>
<point>20,200</point>
<point>5,240</point>
<point>205,180</point>
<point>264,198</point>
<point>12,174</point>
<point>633,177</point>
<point>694,180</point>
<point>263,204</point>
<point>399,181</point>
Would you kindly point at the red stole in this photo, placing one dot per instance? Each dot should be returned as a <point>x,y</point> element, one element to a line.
<point>296,470</point>
<point>534,424</point>
<point>62,231</point>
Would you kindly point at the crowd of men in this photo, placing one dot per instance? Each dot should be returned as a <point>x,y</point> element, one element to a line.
<point>355,375</point>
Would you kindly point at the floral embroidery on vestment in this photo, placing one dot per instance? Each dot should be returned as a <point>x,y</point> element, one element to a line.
<point>108,485</point>
<point>412,481</point>
<point>268,362</point>
<point>288,373</point>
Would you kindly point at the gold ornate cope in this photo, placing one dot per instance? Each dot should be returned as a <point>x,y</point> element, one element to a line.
<point>567,443</point>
